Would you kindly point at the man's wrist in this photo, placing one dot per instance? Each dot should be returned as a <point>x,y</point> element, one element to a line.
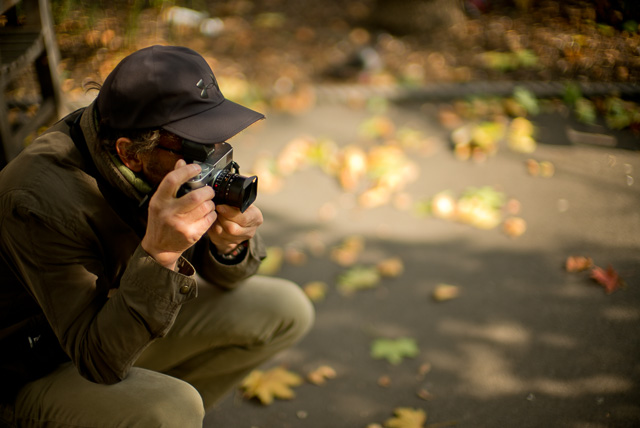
<point>235,255</point>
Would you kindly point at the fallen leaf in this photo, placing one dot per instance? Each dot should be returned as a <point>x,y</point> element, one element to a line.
<point>578,263</point>
<point>391,267</point>
<point>358,278</point>
<point>520,138</point>
<point>347,253</point>
<point>320,375</point>
<point>274,383</point>
<point>514,226</point>
<point>480,207</point>
<point>547,169</point>
<point>394,350</point>
<point>294,256</point>
<point>445,292</point>
<point>407,418</point>
<point>533,167</point>
<point>544,169</point>
<point>384,381</point>
<point>316,290</point>
<point>424,369</point>
<point>609,278</point>
<point>425,395</point>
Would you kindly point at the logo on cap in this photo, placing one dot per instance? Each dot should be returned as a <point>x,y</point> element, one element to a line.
<point>205,88</point>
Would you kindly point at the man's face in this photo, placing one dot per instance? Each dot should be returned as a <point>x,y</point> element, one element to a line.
<point>162,159</point>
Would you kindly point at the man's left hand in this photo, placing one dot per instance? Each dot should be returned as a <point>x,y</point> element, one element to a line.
<point>233,227</point>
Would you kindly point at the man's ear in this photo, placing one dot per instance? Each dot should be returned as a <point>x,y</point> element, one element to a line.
<point>131,160</point>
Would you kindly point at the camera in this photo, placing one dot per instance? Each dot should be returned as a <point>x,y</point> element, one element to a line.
<point>220,172</point>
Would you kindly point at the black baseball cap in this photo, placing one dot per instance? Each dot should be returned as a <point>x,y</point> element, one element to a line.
<point>170,87</point>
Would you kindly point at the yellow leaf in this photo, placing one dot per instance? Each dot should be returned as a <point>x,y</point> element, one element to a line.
<point>316,290</point>
<point>445,292</point>
<point>274,383</point>
<point>407,418</point>
<point>391,267</point>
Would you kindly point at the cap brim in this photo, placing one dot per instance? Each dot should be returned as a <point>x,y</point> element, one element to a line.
<point>216,124</point>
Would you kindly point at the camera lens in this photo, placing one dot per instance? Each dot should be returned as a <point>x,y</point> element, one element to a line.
<point>235,190</point>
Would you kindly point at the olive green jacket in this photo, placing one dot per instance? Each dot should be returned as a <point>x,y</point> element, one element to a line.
<point>73,274</point>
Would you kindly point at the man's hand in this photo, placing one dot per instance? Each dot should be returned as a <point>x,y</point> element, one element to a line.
<point>175,224</point>
<point>234,227</point>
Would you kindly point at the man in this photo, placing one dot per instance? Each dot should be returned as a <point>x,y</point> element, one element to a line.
<point>122,304</point>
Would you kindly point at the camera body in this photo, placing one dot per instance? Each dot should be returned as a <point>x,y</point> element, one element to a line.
<point>220,172</point>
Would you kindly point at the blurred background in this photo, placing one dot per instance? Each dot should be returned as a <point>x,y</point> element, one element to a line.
<point>456,174</point>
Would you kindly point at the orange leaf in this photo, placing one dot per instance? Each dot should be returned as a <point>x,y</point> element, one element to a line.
<point>609,278</point>
<point>320,375</point>
<point>578,263</point>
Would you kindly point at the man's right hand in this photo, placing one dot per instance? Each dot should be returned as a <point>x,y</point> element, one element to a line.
<point>175,224</point>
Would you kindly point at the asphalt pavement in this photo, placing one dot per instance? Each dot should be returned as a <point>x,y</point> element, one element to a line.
<point>525,343</point>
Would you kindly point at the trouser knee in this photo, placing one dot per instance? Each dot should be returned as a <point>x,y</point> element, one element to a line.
<point>293,307</point>
<point>175,403</point>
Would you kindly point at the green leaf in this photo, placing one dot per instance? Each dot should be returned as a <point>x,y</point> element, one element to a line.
<point>527,100</point>
<point>394,350</point>
<point>358,278</point>
<point>585,111</point>
<point>486,195</point>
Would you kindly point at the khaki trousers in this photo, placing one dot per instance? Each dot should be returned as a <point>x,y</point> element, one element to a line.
<point>216,340</point>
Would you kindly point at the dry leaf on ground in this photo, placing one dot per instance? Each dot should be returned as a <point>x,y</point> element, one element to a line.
<point>514,226</point>
<point>320,375</point>
<point>425,395</point>
<point>271,384</point>
<point>578,263</point>
<point>384,381</point>
<point>391,267</point>
<point>394,350</point>
<point>445,292</point>
<point>609,278</point>
<point>358,278</point>
<point>316,290</point>
<point>348,252</point>
<point>406,417</point>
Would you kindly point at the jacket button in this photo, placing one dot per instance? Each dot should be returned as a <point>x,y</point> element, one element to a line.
<point>185,289</point>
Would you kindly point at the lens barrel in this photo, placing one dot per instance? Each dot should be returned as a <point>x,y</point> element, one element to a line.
<point>235,190</point>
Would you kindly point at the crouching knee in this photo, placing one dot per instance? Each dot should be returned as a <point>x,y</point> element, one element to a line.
<point>171,403</point>
<point>290,305</point>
